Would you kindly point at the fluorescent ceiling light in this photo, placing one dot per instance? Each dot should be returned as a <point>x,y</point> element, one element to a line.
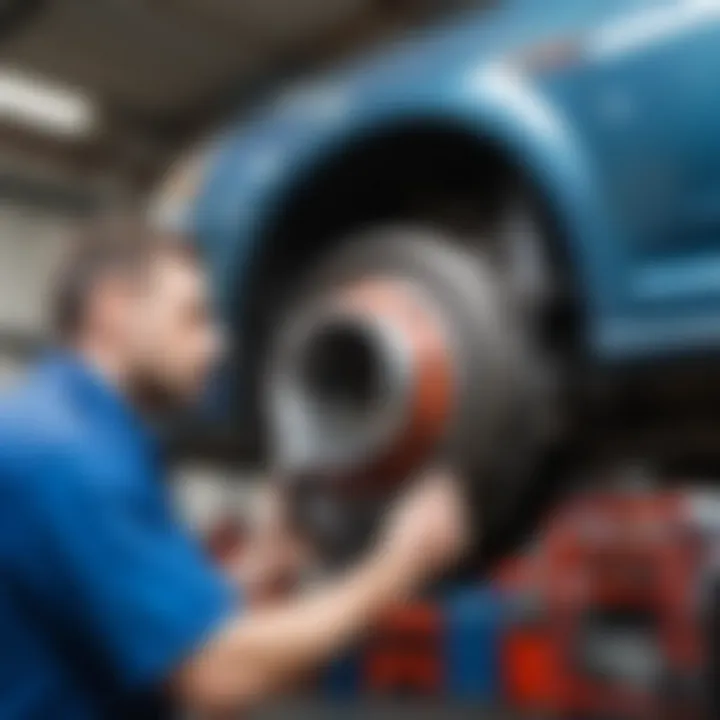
<point>31,101</point>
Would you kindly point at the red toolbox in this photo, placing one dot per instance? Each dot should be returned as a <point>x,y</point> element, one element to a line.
<point>610,621</point>
<point>405,654</point>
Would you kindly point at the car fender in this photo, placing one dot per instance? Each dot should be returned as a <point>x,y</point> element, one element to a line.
<point>253,173</point>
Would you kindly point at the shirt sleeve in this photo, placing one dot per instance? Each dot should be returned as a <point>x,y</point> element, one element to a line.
<point>119,575</point>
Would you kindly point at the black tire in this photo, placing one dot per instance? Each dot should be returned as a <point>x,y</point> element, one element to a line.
<point>501,438</point>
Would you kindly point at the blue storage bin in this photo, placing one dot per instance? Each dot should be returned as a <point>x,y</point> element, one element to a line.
<point>474,620</point>
<point>342,679</point>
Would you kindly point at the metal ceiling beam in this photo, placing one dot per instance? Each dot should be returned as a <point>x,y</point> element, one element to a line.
<point>15,14</point>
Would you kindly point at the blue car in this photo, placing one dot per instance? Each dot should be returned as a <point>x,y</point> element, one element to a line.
<point>537,183</point>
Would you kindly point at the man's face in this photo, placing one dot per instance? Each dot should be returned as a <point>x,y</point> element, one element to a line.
<point>174,340</point>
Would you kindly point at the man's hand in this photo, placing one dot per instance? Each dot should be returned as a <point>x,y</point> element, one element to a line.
<point>265,649</point>
<point>274,556</point>
<point>428,530</point>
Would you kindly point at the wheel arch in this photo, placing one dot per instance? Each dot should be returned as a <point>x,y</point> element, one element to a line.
<point>431,171</point>
<point>386,177</point>
<point>261,236</point>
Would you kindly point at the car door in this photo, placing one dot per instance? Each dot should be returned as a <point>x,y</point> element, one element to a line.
<point>653,114</point>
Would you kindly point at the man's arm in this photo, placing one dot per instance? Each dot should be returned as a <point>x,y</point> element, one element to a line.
<point>255,654</point>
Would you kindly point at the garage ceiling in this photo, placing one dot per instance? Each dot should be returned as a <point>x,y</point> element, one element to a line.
<point>158,58</point>
<point>159,69</point>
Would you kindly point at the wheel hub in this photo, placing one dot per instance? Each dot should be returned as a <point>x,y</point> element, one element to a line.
<point>369,372</point>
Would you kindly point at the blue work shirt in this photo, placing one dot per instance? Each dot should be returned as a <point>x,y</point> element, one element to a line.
<point>103,593</point>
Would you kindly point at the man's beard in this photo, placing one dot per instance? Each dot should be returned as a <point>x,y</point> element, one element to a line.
<point>155,398</point>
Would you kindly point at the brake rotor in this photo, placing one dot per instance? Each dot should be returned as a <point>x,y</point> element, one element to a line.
<point>413,416</point>
<point>398,352</point>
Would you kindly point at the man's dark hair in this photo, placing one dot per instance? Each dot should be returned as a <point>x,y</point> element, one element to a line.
<point>110,247</point>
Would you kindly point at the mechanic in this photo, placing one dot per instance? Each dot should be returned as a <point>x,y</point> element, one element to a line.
<point>108,607</point>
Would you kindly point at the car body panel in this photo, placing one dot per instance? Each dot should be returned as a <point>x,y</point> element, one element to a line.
<point>609,105</point>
